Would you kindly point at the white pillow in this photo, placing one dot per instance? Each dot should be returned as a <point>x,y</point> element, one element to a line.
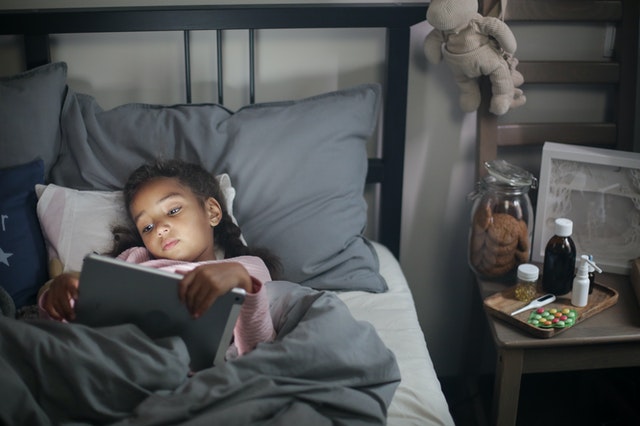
<point>75,223</point>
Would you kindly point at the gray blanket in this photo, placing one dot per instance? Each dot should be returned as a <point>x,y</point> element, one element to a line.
<point>325,368</point>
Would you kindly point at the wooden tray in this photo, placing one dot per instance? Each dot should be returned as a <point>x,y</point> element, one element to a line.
<point>502,304</point>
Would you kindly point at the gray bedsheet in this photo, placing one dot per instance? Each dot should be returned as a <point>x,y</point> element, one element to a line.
<point>324,368</point>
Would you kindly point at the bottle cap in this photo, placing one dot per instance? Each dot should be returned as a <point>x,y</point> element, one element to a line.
<point>564,227</point>
<point>587,260</point>
<point>528,272</point>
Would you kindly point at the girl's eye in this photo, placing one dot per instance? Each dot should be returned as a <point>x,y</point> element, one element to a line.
<point>147,228</point>
<point>174,211</point>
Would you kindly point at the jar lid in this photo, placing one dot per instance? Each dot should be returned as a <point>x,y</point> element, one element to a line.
<point>510,174</point>
<point>528,272</point>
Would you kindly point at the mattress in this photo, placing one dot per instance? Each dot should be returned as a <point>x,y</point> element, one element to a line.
<point>419,399</point>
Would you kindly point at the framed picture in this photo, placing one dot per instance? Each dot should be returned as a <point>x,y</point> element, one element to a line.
<point>599,190</point>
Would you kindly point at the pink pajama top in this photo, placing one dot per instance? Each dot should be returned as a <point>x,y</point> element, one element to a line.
<point>254,324</point>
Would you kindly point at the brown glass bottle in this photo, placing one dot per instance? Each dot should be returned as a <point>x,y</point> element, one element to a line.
<point>559,260</point>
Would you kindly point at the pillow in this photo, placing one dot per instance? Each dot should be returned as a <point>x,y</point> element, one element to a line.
<point>299,168</point>
<point>23,261</point>
<point>30,105</point>
<point>76,223</point>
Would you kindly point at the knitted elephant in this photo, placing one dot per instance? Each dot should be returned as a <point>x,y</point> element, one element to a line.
<point>475,45</point>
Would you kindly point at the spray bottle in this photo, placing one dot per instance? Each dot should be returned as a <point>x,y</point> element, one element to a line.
<point>580,291</point>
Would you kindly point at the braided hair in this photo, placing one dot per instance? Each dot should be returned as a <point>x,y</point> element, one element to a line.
<point>203,185</point>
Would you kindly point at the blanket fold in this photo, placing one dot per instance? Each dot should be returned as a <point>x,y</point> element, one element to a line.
<point>323,368</point>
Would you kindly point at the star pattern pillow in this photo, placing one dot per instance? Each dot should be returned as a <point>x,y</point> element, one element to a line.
<point>23,257</point>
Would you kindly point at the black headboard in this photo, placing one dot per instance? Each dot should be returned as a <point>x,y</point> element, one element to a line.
<point>387,170</point>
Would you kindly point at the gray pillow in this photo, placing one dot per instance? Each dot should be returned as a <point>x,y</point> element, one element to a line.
<point>35,96</point>
<point>298,167</point>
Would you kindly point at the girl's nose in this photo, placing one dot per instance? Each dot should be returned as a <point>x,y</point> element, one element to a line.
<point>162,229</point>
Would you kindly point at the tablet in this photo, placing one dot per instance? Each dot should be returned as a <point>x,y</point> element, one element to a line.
<point>113,292</point>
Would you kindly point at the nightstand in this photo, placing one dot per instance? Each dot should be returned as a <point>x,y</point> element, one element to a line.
<point>607,340</point>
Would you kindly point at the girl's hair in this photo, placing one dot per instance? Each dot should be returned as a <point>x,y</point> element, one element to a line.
<point>203,185</point>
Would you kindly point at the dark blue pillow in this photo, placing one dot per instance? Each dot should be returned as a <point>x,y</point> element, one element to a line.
<point>23,256</point>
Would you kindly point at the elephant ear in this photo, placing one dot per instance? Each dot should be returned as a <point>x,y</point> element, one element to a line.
<point>433,46</point>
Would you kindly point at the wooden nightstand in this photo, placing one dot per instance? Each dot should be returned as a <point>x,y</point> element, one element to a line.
<point>607,340</point>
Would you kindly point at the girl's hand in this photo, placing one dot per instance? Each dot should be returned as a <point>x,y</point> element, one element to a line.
<point>202,286</point>
<point>57,303</point>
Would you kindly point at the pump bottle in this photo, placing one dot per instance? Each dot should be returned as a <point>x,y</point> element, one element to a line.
<point>580,290</point>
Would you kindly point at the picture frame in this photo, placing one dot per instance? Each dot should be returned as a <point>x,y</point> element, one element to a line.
<point>599,190</point>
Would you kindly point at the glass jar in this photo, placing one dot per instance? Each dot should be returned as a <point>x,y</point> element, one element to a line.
<point>527,286</point>
<point>501,221</point>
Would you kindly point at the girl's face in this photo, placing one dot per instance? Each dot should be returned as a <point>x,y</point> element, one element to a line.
<point>172,221</point>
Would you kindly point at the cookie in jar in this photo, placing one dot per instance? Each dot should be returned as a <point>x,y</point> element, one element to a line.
<point>501,221</point>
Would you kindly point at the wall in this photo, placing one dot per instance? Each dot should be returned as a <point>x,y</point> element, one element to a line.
<point>440,138</point>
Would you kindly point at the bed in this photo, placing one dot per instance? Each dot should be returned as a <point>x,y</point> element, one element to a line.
<point>349,347</point>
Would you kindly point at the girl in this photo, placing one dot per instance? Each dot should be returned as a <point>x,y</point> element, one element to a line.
<point>176,209</point>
